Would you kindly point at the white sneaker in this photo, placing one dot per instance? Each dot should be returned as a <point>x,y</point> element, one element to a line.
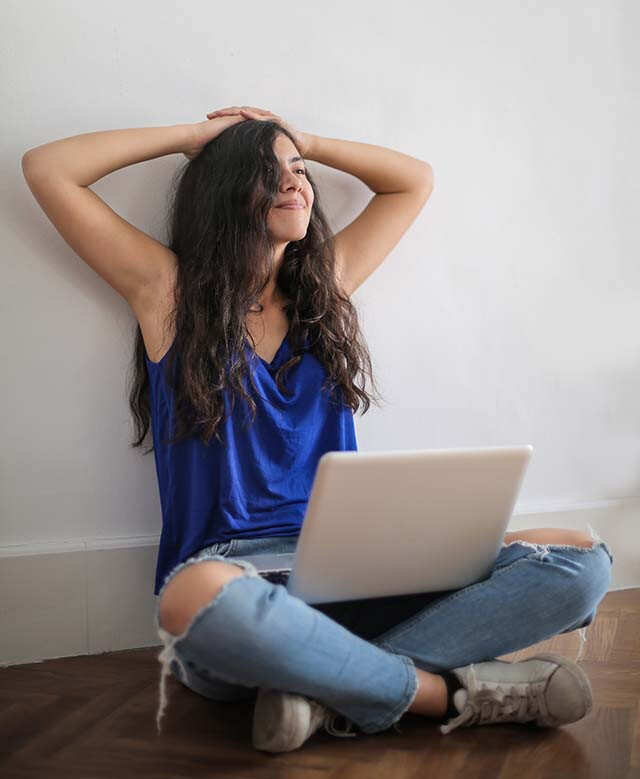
<point>283,721</point>
<point>546,689</point>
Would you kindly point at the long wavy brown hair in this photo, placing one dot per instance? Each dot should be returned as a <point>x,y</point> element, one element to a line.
<point>219,204</point>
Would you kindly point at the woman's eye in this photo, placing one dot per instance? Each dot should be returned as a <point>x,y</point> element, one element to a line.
<point>303,171</point>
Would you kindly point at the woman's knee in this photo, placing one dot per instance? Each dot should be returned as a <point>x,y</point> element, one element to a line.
<point>590,567</point>
<point>191,589</point>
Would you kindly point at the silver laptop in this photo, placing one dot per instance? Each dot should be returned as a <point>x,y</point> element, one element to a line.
<point>399,522</point>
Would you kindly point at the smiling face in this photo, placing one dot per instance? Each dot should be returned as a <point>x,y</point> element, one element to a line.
<point>287,223</point>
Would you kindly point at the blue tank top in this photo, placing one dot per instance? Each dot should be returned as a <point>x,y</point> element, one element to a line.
<point>256,483</point>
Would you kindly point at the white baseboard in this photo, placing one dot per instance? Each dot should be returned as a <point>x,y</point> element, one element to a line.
<point>88,597</point>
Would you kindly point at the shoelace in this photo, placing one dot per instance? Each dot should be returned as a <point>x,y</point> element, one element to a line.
<point>501,704</point>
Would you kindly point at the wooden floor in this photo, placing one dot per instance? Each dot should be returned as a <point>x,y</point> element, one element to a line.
<point>94,716</point>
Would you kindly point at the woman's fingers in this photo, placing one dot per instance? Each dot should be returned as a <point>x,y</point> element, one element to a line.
<point>263,117</point>
<point>238,109</point>
<point>257,110</point>
<point>227,112</point>
<point>220,111</point>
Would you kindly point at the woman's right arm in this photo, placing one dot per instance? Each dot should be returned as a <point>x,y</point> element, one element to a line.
<point>59,175</point>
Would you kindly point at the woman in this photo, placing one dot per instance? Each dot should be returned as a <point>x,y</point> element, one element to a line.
<point>251,254</point>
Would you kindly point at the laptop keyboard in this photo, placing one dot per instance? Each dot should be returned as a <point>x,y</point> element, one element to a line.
<point>276,577</point>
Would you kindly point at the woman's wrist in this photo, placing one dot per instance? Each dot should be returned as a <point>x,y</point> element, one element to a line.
<point>306,148</point>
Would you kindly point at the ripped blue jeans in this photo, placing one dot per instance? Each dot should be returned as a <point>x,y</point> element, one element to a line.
<point>358,658</point>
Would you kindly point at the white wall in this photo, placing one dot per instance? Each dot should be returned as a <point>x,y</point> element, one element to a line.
<point>507,314</point>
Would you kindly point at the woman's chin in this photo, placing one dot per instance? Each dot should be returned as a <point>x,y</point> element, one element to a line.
<point>292,235</point>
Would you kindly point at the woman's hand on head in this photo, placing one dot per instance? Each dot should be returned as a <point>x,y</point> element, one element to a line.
<point>219,120</point>
<point>206,131</point>
<point>301,140</point>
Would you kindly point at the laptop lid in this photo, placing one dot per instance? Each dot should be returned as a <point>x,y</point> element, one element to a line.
<point>404,521</point>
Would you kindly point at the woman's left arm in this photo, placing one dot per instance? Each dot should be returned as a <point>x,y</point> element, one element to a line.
<point>402,184</point>
<point>383,170</point>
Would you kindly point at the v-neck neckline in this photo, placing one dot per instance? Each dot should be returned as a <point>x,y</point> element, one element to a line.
<point>275,356</point>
